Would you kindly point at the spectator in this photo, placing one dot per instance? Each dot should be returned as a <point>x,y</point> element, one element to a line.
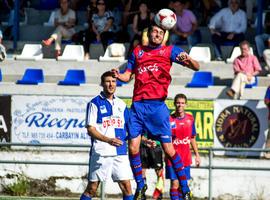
<point>228,25</point>
<point>183,135</point>
<point>246,67</point>
<point>64,22</point>
<point>210,7</point>
<point>102,24</point>
<point>267,103</point>
<point>2,48</point>
<point>186,28</point>
<point>250,4</point>
<point>141,21</point>
<point>87,36</point>
<point>263,40</point>
<point>266,56</point>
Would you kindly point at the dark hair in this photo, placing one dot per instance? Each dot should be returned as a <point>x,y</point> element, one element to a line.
<point>106,74</point>
<point>244,42</point>
<point>153,23</point>
<point>180,96</point>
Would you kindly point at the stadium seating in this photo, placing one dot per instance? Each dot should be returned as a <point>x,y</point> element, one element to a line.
<point>252,84</point>
<point>32,77</point>
<point>72,53</point>
<point>114,52</point>
<point>201,79</point>
<point>235,53</point>
<point>201,54</point>
<point>31,52</point>
<point>0,75</point>
<point>73,77</point>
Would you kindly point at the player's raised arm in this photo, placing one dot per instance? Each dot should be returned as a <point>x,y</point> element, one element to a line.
<point>188,61</point>
<point>125,77</point>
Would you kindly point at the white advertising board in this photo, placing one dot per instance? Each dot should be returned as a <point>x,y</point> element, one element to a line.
<point>49,119</point>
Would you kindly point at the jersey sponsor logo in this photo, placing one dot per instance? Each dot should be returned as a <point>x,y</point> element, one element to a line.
<point>177,141</point>
<point>237,126</point>
<point>150,68</point>
<point>112,121</point>
<point>103,109</point>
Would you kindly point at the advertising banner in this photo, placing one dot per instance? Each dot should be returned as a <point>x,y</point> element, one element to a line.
<point>240,124</point>
<point>49,119</point>
<point>203,113</point>
<point>5,119</point>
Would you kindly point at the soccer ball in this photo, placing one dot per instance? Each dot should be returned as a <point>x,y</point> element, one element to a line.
<point>165,18</point>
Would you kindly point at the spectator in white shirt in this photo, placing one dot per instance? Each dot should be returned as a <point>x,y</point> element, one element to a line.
<point>228,25</point>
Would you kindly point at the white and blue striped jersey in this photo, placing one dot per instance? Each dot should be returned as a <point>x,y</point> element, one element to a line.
<point>109,118</point>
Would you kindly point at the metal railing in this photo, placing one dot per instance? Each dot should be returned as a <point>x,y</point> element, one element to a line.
<point>210,167</point>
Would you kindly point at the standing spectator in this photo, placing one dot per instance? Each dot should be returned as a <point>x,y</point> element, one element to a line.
<point>151,66</point>
<point>186,28</point>
<point>228,25</point>
<point>267,103</point>
<point>141,21</point>
<point>183,135</point>
<point>263,40</point>
<point>106,120</point>
<point>250,4</point>
<point>64,22</point>
<point>102,24</point>
<point>246,67</point>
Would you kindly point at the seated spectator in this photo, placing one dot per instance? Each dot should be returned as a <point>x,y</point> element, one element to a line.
<point>121,34</point>
<point>2,48</point>
<point>246,67</point>
<point>267,103</point>
<point>186,28</point>
<point>210,7</point>
<point>263,40</point>
<point>228,25</point>
<point>141,21</point>
<point>87,36</point>
<point>64,22</point>
<point>250,4</point>
<point>102,24</point>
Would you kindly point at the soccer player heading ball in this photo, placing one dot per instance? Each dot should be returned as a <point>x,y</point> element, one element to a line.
<point>150,65</point>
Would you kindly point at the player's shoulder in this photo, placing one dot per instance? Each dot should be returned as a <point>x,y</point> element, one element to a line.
<point>119,101</point>
<point>189,116</point>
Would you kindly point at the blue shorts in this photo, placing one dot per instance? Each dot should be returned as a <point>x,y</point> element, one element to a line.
<point>170,173</point>
<point>151,116</point>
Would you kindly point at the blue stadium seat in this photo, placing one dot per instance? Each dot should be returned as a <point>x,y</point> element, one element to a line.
<point>73,77</point>
<point>0,75</point>
<point>201,79</point>
<point>32,77</point>
<point>252,84</point>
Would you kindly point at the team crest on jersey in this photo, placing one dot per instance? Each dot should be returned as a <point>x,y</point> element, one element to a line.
<point>140,54</point>
<point>173,125</point>
<point>161,52</point>
<point>103,109</point>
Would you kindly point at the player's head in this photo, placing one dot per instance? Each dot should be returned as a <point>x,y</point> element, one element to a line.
<point>155,34</point>
<point>108,82</point>
<point>180,102</point>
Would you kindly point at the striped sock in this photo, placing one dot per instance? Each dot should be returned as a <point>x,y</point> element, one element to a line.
<point>130,197</point>
<point>136,166</point>
<point>84,197</point>
<point>174,194</point>
<point>180,172</point>
<point>180,195</point>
